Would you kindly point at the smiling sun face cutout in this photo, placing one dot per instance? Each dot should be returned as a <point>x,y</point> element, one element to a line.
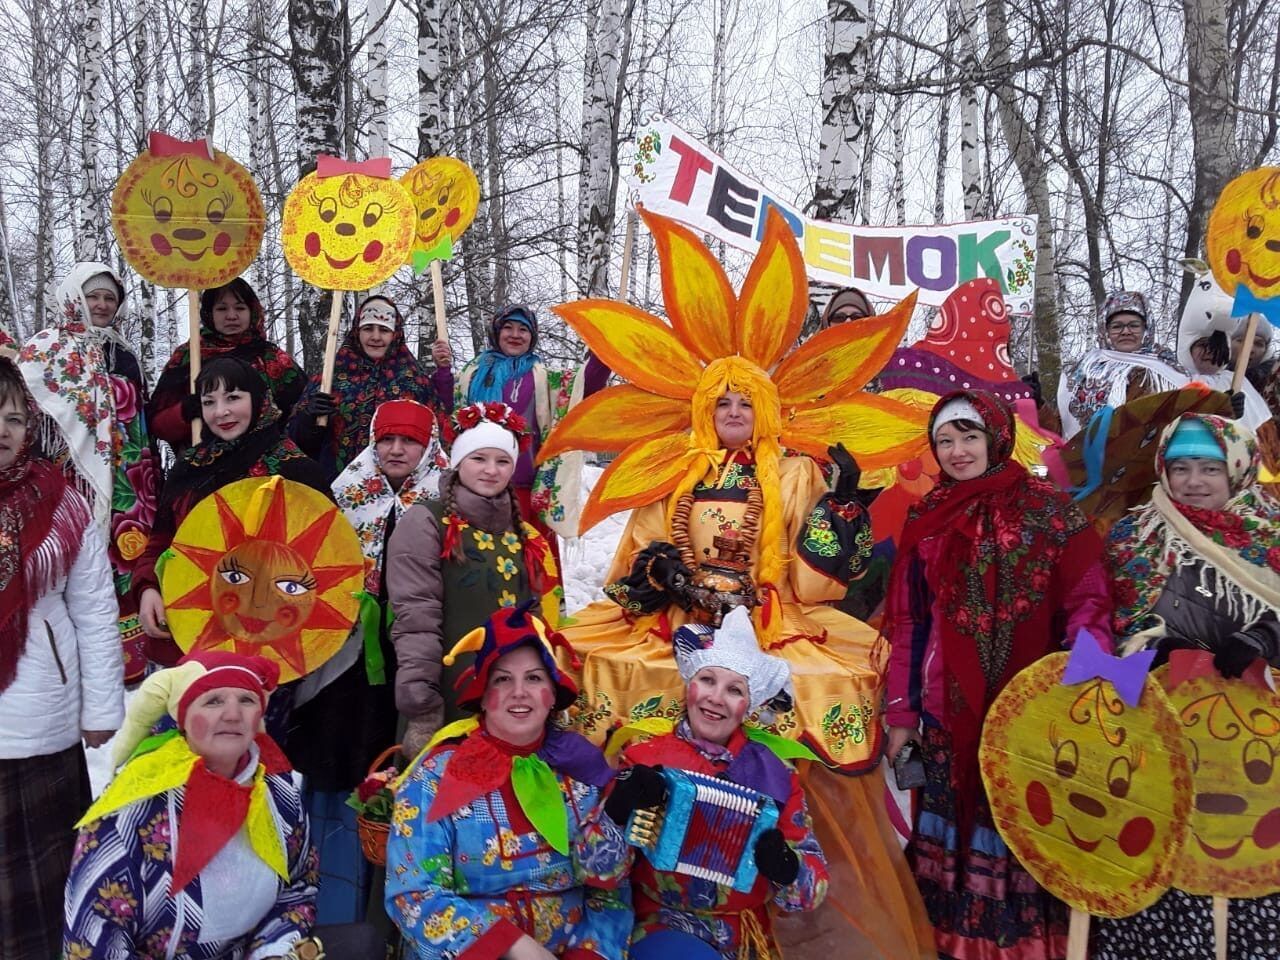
<point>1092,795</point>
<point>351,231</point>
<point>185,220</point>
<point>267,567</point>
<point>447,194</point>
<point>1242,241</point>
<point>1233,726</point>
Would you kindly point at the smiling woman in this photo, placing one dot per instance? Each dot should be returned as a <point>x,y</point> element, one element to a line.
<point>233,323</point>
<point>1199,569</point>
<point>243,439</point>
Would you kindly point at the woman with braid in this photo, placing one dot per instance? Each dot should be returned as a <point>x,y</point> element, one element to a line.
<point>452,562</point>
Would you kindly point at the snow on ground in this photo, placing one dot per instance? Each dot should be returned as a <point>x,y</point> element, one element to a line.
<point>586,560</point>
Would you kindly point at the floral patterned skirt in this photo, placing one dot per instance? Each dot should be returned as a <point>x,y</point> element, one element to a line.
<point>982,902</point>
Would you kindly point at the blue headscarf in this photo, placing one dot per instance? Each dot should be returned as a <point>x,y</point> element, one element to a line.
<point>494,369</point>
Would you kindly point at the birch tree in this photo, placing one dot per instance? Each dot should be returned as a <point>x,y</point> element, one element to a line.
<point>609,37</point>
<point>430,102</point>
<point>845,105</point>
<point>971,115</point>
<point>89,229</point>
<point>378,143</point>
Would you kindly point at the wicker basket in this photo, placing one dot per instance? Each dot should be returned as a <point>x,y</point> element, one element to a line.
<point>373,835</point>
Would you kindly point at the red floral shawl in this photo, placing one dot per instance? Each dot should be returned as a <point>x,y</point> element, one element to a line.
<point>41,526</point>
<point>1011,543</point>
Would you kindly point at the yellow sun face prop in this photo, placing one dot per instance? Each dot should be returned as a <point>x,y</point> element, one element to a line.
<point>446,195</point>
<point>349,231</point>
<point>186,216</point>
<point>1091,794</point>
<point>266,567</point>
<point>818,384</point>
<point>1233,727</point>
<point>1242,239</point>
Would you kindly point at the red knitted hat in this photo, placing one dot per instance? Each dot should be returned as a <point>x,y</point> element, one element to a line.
<point>405,418</point>
<point>222,669</point>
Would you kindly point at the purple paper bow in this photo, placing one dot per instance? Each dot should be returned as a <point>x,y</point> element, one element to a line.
<point>1088,660</point>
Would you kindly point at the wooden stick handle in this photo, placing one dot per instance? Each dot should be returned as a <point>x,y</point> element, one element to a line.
<point>1242,361</point>
<point>330,349</point>
<point>193,351</point>
<point>437,289</point>
<point>1220,903</point>
<point>1078,935</point>
<point>628,252</point>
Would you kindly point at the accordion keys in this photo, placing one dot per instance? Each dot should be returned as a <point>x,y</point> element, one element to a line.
<point>708,829</point>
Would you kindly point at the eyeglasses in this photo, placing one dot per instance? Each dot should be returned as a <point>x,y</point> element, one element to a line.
<point>1137,327</point>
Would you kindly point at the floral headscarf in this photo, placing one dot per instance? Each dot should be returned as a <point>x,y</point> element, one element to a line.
<point>366,498</point>
<point>1011,546</point>
<point>1238,547</point>
<point>65,368</point>
<point>1101,377</point>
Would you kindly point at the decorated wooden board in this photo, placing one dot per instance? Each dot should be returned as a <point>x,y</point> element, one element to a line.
<point>1233,732</point>
<point>348,226</point>
<point>1089,779</point>
<point>446,195</point>
<point>186,215</point>
<point>267,567</point>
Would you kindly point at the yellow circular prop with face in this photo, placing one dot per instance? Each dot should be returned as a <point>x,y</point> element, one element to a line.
<point>1233,726</point>
<point>186,218</point>
<point>447,194</point>
<point>1242,240</point>
<point>1092,795</point>
<point>350,231</point>
<point>267,567</point>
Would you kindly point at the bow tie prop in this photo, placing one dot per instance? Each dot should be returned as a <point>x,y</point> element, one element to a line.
<point>1088,661</point>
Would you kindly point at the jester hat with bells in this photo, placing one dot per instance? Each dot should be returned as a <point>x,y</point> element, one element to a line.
<point>660,422</point>
<point>503,632</point>
<point>214,808</point>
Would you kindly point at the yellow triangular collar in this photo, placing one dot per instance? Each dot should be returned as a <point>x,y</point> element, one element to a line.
<point>169,767</point>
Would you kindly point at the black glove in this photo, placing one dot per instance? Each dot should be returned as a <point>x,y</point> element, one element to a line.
<point>846,488</point>
<point>191,407</point>
<point>1235,654</point>
<point>657,580</point>
<point>1237,404</point>
<point>635,788</point>
<point>319,404</point>
<point>775,858</point>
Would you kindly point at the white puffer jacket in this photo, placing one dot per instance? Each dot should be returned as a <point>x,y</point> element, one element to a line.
<point>71,675</point>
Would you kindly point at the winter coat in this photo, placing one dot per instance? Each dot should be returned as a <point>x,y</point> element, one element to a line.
<point>436,601</point>
<point>71,675</point>
<point>118,901</point>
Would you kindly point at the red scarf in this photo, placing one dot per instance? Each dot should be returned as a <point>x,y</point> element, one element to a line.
<point>1012,545</point>
<point>41,526</point>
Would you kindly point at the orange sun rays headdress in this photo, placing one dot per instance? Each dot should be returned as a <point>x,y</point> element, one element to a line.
<point>267,567</point>
<point>652,422</point>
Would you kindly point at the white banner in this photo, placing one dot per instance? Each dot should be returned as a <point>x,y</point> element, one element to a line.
<point>679,177</point>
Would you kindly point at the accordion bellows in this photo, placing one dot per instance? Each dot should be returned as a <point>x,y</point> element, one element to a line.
<point>708,829</point>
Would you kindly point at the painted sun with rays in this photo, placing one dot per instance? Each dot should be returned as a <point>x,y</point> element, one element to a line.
<point>266,567</point>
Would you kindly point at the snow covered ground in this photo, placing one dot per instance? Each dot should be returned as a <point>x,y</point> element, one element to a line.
<point>586,560</point>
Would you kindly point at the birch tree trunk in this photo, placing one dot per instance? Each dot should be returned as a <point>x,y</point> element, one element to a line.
<point>845,125</point>
<point>377,142</point>
<point>141,123</point>
<point>971,115</point>
<point>316,34</point>
<point>89,230</point>
<point>44,80</point>
<point>1020,135</point>
<point>197,78</point>
<point>430,102</point>
<point>608,38</point>
<point>8,294</point>
<point>1213,117</point>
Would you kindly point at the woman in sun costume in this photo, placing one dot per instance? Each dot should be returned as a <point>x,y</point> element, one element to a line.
<point>700,499</point>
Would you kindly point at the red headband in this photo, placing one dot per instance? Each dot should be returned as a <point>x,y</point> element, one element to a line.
<point>256,674</point>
